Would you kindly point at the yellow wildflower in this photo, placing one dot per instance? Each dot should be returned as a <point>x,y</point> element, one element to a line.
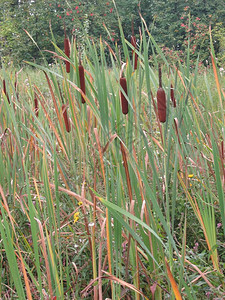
<point>76,217</point>
<point>190,175</point>
<point>80,203</point>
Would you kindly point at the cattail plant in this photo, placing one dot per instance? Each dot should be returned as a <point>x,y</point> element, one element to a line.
<point>161,99</point>
<point>124,102</point>
<point>82,81</point>
<point>172,96</point>
<point>36,109</point>
<point>65,117</point>
<point>67,51</point>
<point>5,91</point>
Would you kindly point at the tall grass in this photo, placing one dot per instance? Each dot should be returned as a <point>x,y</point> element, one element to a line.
<point>120,206</point>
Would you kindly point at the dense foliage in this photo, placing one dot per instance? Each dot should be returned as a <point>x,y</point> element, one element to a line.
<point>171,23</point>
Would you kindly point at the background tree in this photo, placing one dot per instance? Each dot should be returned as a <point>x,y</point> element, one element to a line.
<point>167,20</point>
<point>32,16</point>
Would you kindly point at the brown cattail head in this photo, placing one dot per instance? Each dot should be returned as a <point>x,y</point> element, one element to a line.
<point>172,96</point>
<point>65,117</point>
<point>67,52</point>
<point>134,54</point>
<point>36,109</point>
<point>124,102</point>
<point>161,103</point>
<point>5,91</point>
<point>82,82</point>
<point>161,99</point>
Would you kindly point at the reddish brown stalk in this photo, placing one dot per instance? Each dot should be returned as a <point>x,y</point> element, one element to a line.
<point>161,99</point>
<point>5,91</point>
<point>172,96</point>
<point>222,150</point>
<point>67,52</point>
<point>134,54</point>
<point>65,117</point>
<point>124,102</point>
<point>82,82</point>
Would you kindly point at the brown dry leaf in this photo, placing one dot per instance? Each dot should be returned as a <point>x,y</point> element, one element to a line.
<point>173,282</point>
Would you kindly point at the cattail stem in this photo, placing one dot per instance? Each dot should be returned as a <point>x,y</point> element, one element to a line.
<point>160,76</point>
<point>124,102</point>
<point>82,82</point>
